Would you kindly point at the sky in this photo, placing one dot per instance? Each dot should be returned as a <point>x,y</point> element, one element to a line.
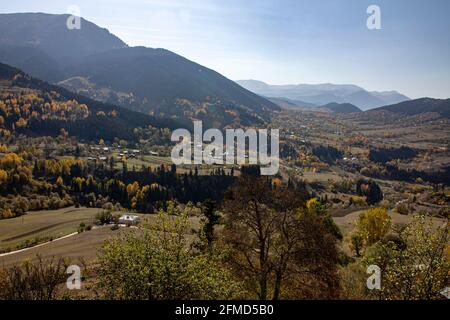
<point>287,41</point>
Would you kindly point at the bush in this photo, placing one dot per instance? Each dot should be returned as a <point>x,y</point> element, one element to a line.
<point>81,227</point>
<point>357,201</point>
<point>402,208</point>
<point>104,217</point>
<point>38,281</point>
<point>7,213</point>
<point>108,206</point>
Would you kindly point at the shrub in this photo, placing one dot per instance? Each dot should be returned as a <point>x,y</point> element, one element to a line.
<point>104,217</point>
<point>7,213</point>
<point>37,281</point>
<point>357,201</point>
<point>402,208</point>
<point>81,227</point>
<point>108,206</point>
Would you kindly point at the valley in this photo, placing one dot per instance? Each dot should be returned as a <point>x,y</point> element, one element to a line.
<point>86,143</point>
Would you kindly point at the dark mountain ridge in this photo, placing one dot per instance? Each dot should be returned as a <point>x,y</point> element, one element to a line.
<point>418,106</point>
<point>147,80</point>
<point>95,126</point>
<point>342,107</point>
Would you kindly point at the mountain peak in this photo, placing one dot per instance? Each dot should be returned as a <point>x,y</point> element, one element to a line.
<point>49,34</point>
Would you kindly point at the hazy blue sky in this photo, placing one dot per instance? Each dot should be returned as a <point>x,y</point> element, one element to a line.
<point>282,42</point>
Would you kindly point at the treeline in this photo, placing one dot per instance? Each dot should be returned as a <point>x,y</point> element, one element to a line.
<point>393,172</point>
<point>27,184</point>
<point>37,108</point>
<point>327,154</point>
<point>149,190</point>
<point>382,155</point>
<point>47,113</point>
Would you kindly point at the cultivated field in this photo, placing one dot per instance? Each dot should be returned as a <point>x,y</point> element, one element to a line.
<point>49,225</point>
<point>43,225</point>
<point>80,247</point>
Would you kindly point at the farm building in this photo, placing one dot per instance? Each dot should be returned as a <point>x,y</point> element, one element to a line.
<point>129,219</point>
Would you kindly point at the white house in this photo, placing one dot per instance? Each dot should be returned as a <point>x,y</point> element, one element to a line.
<point>129,219</point>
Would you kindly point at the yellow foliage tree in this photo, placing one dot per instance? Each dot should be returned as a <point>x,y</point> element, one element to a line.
<point>10,161</point>
<point>3,176</point>
<point>373,224</point>
<point>7,213</point>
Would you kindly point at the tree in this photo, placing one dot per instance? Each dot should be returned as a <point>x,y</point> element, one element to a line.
<point>373,225</point>
<point>279,251</point>
<point>314,206</point>
<point>104,217</point>
<point>356,243</point>
<point>3,177</point>
<point>211,219</point>
<point>371,190</point>
<point>414,264</point>
<point>33,281</point>
<point>160,265</point>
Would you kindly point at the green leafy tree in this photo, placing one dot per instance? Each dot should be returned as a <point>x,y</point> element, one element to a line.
<point>160,264</point>
<point>414,265</point>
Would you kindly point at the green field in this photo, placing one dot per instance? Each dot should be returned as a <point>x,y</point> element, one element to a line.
<point>48,225</point>
<point>43,225</point>
<point>81,247</point>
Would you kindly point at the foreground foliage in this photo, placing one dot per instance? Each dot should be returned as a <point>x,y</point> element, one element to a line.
<point>161,265</point>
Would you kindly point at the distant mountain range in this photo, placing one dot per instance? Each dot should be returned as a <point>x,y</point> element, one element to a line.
<point>93,62</point>
<point>321,94</point>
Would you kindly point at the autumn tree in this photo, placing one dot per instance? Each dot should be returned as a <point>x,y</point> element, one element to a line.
<point>414,264</point>
<point>373,225</point>
<point>280,250</point>
<point>371,190</point>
